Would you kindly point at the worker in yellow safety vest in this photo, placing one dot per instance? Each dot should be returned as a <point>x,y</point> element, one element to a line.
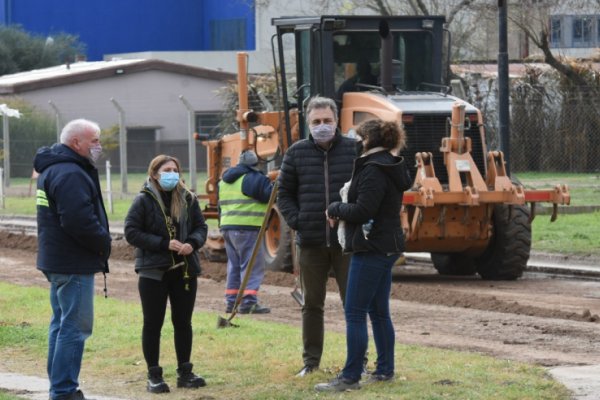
<point>244,192</point>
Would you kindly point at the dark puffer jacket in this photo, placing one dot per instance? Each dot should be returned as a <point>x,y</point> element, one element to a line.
<point>146,229</point>
<point>73,235</point>
<point>378,182</point>
<point>310,179</point>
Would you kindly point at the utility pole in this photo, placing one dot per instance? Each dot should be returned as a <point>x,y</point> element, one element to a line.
<point>57,116</point>
<point>191,141</point>
<point>6,181</point>
<point>122,146</point>
<point>503,84</point>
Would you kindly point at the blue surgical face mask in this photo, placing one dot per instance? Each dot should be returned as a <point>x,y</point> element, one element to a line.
<point>168,180</point>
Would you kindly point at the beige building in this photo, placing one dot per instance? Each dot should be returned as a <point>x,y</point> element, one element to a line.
<point>145,94</point>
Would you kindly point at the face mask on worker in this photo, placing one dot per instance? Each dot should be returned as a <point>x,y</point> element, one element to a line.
<point>322,133</point>
<point>95,153</point>
<point>168,180</point>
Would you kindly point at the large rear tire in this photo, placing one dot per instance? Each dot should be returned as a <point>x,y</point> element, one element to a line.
<point>453,264</point>
<point>506,256</point>
<point>277,244</point>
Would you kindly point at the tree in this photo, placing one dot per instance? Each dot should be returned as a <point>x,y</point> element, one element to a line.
<point>536,28</point>
<point>22,51</point>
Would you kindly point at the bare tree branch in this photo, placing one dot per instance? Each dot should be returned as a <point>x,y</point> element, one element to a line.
<point>564,68</point>
<point>422,7</point>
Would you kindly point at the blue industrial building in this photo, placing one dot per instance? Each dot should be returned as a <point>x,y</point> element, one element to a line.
<point>124,26</point>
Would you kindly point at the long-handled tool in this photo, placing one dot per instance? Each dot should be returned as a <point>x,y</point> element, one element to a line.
<point>226,322</point>
<point>297,293</point>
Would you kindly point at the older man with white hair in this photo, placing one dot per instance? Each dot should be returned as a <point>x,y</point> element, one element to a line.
<point>73,245</point>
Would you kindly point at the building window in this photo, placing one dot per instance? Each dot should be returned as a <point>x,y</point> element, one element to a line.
<point>555,31</point>
<point>228,34</point>
<point>582,31</point>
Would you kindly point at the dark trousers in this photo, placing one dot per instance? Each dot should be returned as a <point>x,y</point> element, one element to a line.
<point>154,295</point>
<point>315,266</point>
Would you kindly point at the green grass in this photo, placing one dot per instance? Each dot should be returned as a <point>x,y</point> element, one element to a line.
<point>584,188</point>
<point>20,200</point>
<point>255,361</point>
<point>7,396</point>
<point>572,234</point>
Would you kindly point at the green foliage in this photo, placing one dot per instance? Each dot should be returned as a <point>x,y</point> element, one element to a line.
<point>22,51</point>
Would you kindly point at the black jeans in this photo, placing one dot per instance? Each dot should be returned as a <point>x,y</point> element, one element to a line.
<point>315,265</point>
<point>154,295</point>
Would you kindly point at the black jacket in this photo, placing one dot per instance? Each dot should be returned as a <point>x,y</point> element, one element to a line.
<point>73,235</point>
<point>146,229</point>
<point>309,180</point>
<point>378,182</point>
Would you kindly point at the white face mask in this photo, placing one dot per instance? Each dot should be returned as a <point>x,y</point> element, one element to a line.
<point>322,133</point>
<point>95,153</point>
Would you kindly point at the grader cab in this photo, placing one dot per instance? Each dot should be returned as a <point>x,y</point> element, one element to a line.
<point>462,208</point>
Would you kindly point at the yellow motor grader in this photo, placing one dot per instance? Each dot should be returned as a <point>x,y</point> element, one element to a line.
<point>463,207</point>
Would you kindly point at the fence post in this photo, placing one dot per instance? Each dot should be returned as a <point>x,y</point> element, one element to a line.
<point>7,112</point>
<point>6,147</point>
<point>1,187</point>
<point>57,116</point>
<point>191,142</point>
<point>109,188</point>
<point>122,146</point>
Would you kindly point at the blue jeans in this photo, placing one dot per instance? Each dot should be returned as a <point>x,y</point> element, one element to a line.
<point>239,245</point>
<point>72,302</point>
<point>368,291</point>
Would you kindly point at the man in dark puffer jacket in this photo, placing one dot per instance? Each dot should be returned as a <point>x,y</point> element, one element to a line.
<point>73,245</point>
<point>311,176</point>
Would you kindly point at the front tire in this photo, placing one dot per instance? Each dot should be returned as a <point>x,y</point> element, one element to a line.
<point>508,251</point>
<point>277,244</point>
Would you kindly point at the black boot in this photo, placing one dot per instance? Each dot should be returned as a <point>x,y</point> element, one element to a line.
<point>156,384</point>
<point>187,379</point>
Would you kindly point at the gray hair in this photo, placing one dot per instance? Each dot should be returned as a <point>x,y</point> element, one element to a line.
<point>319,102</point>
<point>76,128</point>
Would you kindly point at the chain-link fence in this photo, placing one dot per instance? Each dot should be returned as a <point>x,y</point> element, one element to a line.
<point>552,128</point>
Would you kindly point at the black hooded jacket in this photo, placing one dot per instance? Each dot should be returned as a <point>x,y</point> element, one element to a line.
<point>73,234</point>
<point>378,181</point>
<point>147,229</point>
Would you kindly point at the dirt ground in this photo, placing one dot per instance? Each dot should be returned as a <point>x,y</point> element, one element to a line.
<point>537,319</point>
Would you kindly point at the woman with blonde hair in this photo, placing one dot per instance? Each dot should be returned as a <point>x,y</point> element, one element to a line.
<point>167,228</point>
